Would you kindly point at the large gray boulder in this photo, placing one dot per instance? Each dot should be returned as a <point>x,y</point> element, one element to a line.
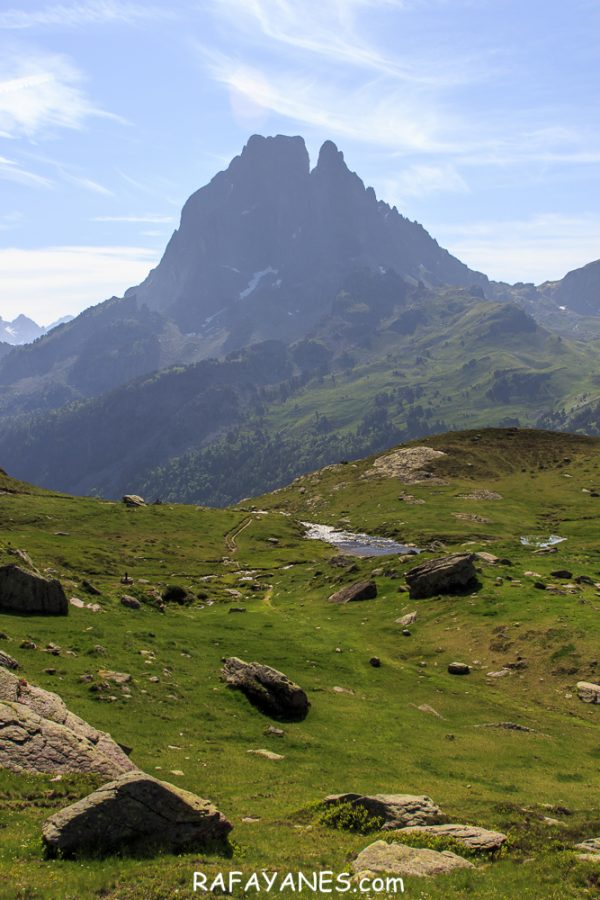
<point>135,812</point>
<point>39,734</point>
<point>399,859</point>
<point>479,839</point>
<point>26,591</point>
<point>442,576</point>
<point>360,590</point>
<point>30,743</point>
<point>267,688</point>
<point>396,810</point>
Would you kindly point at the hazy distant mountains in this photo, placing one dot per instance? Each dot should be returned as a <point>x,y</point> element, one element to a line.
<point>23,330</point>
<point>307,320</point>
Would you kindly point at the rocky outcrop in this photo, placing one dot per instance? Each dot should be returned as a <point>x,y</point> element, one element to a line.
<point>135,811</point>
<point>446,575</point>
<point>396,810</point>
<point>478,839</point>
<point>398,859</point>
<point>412,465</point>
<point>267,688</point>
<point>7,661</point>
<point>26,591</point>
<point>30,743</point>
<point>591,847</point>
<point>409,619</point>
<point>39,734</point>
<point>588,691</point>
<point>360,590</point>
<point>133,500</point>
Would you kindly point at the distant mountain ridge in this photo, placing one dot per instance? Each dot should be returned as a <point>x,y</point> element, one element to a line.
<point>293,319</point>
<point>268,241</point>
<point>24,330</point>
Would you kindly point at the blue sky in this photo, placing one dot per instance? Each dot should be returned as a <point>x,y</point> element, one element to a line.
<point>478,118</point>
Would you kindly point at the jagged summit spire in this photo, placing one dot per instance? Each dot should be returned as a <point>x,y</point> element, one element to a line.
<point>279,149</point>
<point>330,157</point>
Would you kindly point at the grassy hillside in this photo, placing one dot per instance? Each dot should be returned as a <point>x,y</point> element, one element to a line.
<point>444,361</point>
<point>386,364</point>
<point>408,726</point>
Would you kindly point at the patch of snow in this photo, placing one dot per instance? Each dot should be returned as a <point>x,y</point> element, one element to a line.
<point>214,316</point>
<point>563,308</point>
<point>255,281</point>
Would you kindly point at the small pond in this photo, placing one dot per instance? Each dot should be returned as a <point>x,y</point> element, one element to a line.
<point>542,542</point>
<point>355,544</point>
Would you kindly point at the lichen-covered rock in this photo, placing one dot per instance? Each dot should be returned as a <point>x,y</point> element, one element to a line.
<point>588,691</point>
<point>135,812</point>
<point>39,734</point>
<point>267,688</point>
<point>26,591</point>
<point>479,839</point>
<point>360,590</point>
<point>29,743</point>
<point>445,575</point>
<point>396,810</point>
<point>398,859</point>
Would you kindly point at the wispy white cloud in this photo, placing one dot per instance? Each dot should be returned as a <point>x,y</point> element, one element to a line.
<point>148,218</point>
<point>40,92</point>
<point>329,66</point>
<point>535,249</point>
<point>335,31</point>
<point>50,282</point>
<point>381,117</point>
<point>13,171</point>
<point>76,15</point>
<point>421,180</point>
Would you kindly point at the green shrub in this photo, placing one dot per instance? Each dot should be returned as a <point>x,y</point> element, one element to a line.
<point>347,817</point>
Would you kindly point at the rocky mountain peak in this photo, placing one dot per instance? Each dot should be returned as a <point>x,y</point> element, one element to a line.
<point>330,158</point>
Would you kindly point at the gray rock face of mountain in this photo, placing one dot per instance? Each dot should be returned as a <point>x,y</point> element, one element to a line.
<point>579,290</point>
<point>268,241</point>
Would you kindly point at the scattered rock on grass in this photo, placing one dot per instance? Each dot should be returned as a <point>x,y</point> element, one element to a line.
<point>267,754</point>
<point>398,859</point>
<point>25,591</point>
<point>479,839</point>
<point>459,668</point>
<point>590,847</point>
<point>588,692</point>
<point>7,661</point>
<point>135,812</point>
<point>441,576</point>
<point>130,602</point>
<point>407,620</point>
<point>272,691</point>
<point>396,810</point>
<point>133,500</point>
<point>360,590</point>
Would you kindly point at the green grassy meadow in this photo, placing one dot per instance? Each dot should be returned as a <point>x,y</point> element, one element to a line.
<point>186,727</point>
